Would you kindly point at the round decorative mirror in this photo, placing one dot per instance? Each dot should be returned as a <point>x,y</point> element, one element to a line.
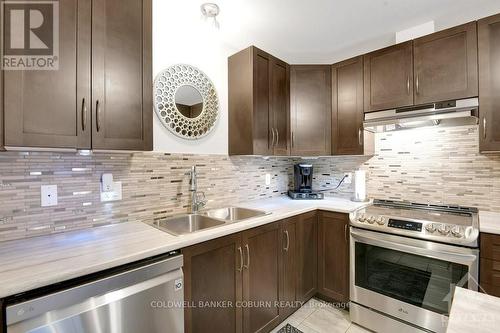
<point>186,101</point>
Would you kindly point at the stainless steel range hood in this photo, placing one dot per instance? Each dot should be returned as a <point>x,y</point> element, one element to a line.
<point>449,113</point>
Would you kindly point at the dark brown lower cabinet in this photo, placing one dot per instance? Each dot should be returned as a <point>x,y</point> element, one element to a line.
<point>212,272</point>
<point>489,264</point>
<point>288,275</point>
<point>261,278</point>
<point>333,256</point>
<point>261,273</point>
<point>307,255</point>
<point>239,271</point>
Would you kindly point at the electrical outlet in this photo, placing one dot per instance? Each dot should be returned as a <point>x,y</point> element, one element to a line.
<point>348,178</point>
<point>48,195</point>
<point>268,179</point>
<point>114,195</point>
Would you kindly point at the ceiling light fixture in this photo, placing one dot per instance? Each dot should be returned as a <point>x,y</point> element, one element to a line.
<point>211,11</point>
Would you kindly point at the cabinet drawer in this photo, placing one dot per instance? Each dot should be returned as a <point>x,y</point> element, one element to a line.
<point>490,272</point>
<point>490,246</point>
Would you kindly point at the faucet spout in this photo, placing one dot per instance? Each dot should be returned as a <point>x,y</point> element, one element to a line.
<point>197,198</point>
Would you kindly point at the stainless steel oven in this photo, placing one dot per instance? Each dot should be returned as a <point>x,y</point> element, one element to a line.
<point>402,284</point>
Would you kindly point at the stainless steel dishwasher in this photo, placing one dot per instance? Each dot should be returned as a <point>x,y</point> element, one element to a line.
<point>148,298</point>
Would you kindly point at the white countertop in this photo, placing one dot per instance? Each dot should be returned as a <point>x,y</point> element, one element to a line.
<point>36,262</point>
<point>489,222</point>
<point>474,312</point>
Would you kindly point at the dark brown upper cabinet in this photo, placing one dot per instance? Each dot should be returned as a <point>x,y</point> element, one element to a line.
<point>258,104</point>
<point>446,64</point>
<point>333,256</point>
<point>489,84</point>
<point>51,108</point>
<point>101,95</point>
<point>280,107</point>
<point>348,136</point>
<point>310,110</point>
<point>122,79</point>
<point>388,77</point>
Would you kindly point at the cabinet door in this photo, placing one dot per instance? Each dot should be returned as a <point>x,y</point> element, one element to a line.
<point>122,76</point>
<point>288,271</point>
<point>333,256</point>
<point>280,106</point>
<point>388,79</point>
<point>489,83</point>
<point>347,107</point>
<point>311,110</point>
<point>261,278</point>
<point>212,272</point>
<point>261,114</point>
<point>51,108</point>
<point>446,65</point>
<point>307,255</point>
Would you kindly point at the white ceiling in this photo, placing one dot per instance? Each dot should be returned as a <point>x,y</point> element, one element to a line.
<point>326,31</point>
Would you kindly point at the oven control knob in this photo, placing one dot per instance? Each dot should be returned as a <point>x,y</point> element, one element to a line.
<point>444,229</point>
<point>380,221</point>
<point>457,231</point>
<point>431,227</point>
<point>372,219</point>
<point>362,218</point>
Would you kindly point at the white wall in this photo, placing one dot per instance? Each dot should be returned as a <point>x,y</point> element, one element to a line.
<point>180,35</point>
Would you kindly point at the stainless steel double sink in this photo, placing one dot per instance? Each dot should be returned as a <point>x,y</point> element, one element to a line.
<point>190,223</point>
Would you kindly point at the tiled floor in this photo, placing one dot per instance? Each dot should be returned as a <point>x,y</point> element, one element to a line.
<point>320,317</point>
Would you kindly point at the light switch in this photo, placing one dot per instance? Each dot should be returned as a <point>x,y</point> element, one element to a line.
<point>48,195</point>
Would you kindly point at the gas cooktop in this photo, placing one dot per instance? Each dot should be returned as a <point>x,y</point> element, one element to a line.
<point>445,224</point>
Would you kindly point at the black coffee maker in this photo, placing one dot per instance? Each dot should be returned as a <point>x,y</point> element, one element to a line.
<point>303,176</point>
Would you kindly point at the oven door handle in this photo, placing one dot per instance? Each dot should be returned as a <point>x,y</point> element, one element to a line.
<point>414,246</point>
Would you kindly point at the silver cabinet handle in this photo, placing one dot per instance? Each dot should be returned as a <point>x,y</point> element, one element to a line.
<point>241,259</point>
<point>484,127</point>
<point>408,85</point>
<point>277,137</point>
<point>360,132</point>
<point>346,237</point>
<point>287,247</point>
<point>98,116</point>
<point>84,115</point>
<point>293,139</point>
<point>272,131</point>
<point>417,85</point>
<point>247,266</point>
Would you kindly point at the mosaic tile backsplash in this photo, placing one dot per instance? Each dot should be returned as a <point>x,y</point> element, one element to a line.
<point>154,187</point>
<point>435,165</point>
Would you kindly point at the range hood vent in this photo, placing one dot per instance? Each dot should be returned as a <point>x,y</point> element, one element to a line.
<point>449,113</point>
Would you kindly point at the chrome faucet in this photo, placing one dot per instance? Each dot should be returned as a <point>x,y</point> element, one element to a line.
<point>198,200</point>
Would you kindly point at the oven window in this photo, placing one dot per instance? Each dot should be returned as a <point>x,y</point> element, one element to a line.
<point>421,281</point>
